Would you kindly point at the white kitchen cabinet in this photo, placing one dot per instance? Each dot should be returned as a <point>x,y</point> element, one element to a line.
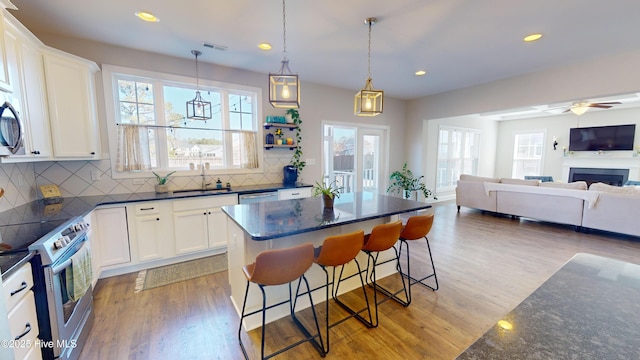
<point>21,313</point>
<point>152,230</point>
<point>26,70</point>
<point>72,106</point>
<point>5,83</point>
<point>112,237</point>
<point>297,193</point>
<point>200,224</point>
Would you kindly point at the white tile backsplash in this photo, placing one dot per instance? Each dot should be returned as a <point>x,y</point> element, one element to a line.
<point>21,181</point>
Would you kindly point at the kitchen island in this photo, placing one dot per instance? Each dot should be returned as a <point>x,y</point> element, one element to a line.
<point>253,228</point>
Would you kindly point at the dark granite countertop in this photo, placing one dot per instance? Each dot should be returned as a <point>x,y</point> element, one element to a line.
<point>589,309</point>
<point>25,224</point>
<point>270,220</point>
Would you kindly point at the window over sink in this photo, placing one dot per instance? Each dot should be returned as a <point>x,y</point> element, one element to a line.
<point>149,131</point>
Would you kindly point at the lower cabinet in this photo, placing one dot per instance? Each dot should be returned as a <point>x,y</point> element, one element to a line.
<point>111,236</point>
<point>151,228</point>
<point>21,313</point>
<point>199,223</point>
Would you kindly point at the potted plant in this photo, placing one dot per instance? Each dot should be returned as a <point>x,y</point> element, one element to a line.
<point>161,186</point>
<point>296,161</point>
<point>328,191</point>
<point>404,182</point>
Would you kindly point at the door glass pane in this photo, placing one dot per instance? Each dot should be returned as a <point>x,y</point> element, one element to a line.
<point>370,161</point>
<point>342,158</point>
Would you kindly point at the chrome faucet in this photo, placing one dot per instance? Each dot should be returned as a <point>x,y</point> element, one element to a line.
<point>205,184</point>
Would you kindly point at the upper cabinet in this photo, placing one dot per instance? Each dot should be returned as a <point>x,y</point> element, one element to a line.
<point>54,94</point>
<point>26,71</point>
<point>72,106</point>
<point>5,84</point>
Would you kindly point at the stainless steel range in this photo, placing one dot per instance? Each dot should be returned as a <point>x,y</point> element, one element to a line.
<point>64,297</point>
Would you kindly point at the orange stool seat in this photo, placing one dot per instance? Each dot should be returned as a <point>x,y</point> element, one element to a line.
<point>277,267</point>
<point>417,228</point>
<point>337,251</point>
<point>382,237</point>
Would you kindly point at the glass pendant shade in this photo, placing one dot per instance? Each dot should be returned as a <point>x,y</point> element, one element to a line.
<point>198,109</point>
<point>368,101</point>
<point>284,88</point>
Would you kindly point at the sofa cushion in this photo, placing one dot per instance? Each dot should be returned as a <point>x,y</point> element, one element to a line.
<point>578,185</point>
<point>519,182</point>
<point>632,190</point>
<point>478,178</point>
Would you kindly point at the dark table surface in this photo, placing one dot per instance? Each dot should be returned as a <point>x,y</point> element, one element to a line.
<point>589,309</point>
<point>270,220</point>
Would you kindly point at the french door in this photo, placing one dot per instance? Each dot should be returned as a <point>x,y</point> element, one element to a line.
<point>355,157</point>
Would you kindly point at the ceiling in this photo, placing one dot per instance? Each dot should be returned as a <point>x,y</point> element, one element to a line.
<point>459,43</point>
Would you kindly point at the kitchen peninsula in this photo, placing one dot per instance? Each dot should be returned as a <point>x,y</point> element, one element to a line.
<point>253,228</point>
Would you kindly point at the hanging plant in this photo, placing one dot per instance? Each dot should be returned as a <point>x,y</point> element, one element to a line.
<point>296,161</point>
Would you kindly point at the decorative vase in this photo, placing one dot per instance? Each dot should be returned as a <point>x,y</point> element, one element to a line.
<point>270,138</point>
<point>162,188</point>
<point>327,201</point>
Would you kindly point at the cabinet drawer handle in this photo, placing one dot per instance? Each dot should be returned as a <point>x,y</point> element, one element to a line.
<point>93,153</point>
<point>295,194</point>
<point>22,287</point>
<point>157,219</point>
<point>145,209</point>
<point>28,326</point>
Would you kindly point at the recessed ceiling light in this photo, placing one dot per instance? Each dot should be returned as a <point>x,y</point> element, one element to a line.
<point>532,37</point>
<point>264,46</point>
<point>420,72</point>
<point>147,16</point>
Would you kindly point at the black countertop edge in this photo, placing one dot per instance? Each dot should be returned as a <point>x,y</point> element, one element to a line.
<point>69,207</point>
<point>330,225</point>
<point>272,220</point>
<point>14,264</point>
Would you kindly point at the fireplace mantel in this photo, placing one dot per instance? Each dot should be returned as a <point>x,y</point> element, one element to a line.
<point>605,160</point>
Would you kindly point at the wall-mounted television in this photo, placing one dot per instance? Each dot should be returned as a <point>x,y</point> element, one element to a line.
<point>605,138</point>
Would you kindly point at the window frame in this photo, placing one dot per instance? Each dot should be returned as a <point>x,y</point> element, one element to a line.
<point>515,134</point>
<point>477,133</point>
<point>111,74</point>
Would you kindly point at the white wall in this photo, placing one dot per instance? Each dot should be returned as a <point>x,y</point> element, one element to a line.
<point>318,102</point>
<point>559,126</point>
<point>600,77</point>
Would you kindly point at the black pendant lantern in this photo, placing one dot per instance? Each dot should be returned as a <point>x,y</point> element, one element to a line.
<point>198,108</point>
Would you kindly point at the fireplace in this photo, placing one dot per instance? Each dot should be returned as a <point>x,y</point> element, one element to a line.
<point>615,177</point>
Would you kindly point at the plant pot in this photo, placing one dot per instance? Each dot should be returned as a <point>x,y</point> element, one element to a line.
<point>327,201</point>
<point>288,118</point>
<point>162,188</point>
<point>279,141</point>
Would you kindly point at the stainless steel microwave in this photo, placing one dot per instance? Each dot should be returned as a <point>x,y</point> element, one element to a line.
<point>11,131</point>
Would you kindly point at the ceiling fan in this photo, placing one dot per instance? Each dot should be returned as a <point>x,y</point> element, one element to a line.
<point>581,107</point>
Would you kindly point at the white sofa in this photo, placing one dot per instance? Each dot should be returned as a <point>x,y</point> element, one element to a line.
<point>616,210</point>
<point>601,207</point>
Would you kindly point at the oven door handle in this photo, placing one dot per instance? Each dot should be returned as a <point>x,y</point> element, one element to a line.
<point>58,268</point>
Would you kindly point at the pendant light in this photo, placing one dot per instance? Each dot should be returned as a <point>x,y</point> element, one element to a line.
<point>368,101</point>
<point>198,109</point>
<point>284,87</point>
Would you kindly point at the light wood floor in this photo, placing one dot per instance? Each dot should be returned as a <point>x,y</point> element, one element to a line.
<point>486,266</point>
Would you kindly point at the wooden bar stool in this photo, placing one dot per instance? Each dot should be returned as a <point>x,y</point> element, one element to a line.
<point>383,237</point>
<point>417,227</point>
<point>338,251</point>
<point>277,267</point>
